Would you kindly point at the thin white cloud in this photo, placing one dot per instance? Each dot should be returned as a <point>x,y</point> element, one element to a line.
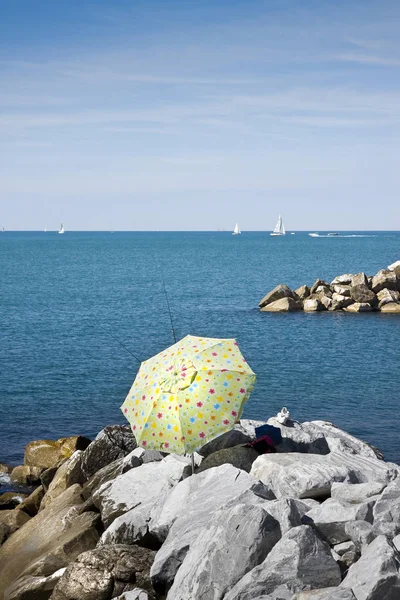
<point>369,60</point>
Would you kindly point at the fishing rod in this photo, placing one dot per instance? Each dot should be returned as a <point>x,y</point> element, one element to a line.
<point>120,343</point>
<point>167,301</point>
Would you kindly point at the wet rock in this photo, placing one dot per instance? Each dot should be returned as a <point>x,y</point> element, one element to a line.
<point>229,546</point>
<point>384,279</point>
<point>303,292</point>
<point>46,542</point>
<point>375,576</point>
<point>115,441</point>
<point>331,517</point>
<point>33,588</point>
<point>358,307</point>
<point>47,453</point>
<point>14,519</point>
<point>312,305</point>
<point>362,294</point>
<point>279,292</point>
<point>282,305</point>
<point>4,468</point>
<point>26,475</point>
<point>238,456</point>
<point>300,560</point>
<point>231,438</point>
<point>391,307</point>
<point>105,572</point>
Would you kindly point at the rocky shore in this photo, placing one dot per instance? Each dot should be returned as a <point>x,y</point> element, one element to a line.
<point>317,520</point>
<point>349,293</point>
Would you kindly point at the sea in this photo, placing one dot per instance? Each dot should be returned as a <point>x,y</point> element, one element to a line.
<point>75,308</point>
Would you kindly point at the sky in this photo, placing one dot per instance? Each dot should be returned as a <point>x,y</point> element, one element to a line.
<point>183,115</point>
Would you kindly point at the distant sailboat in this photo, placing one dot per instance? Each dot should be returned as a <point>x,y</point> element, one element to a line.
<point>279,227</point>
<point>236,230</point>
<point>62,230</point>
<point>45,229</point>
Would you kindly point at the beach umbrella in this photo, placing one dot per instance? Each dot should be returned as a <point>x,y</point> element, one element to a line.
<point>188,394</point>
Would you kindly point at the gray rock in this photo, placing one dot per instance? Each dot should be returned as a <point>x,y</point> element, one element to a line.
<point>188,509</point>
<point>301,437</point>
<point>136,594</point>
<point>29,587</point>
<point>105,572</point>
<point>339,440</point>
<point>343,279</point>
<point>235,540</point>
<point>303,292</point>
<point>311,475</point>
<point>318,283</point>
<point>342,290</point>
<point>300,560</point>
<point>359,279</point>
<point>102,476</point>
<point>354,493</point>
<point>248,427</point>
<point>131,528</point>
<point>115,441</point>
<point>339,301</point>
<point>387,511</point>
<point>312,305</point>
<point>331,593</point>
<point>384,279</point>
<point>362,294</point>
<point>282,305</point>
<point>396,542</point>
<point>331,517</point>
<point>344,547</point>
<point>358,307</point>
<point>279,292</point>
<point>238,456</point>
<point>386,296</point>
<point>376,575</point>
<point>231,438</point>
<point>326,301</point>
<point>360,533</point>
<point>288,512</point>
<point>138,488</point>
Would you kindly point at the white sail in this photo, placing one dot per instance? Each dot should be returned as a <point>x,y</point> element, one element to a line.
<point>61,228</point>
<point>236,230</point>
<point>279,227</point>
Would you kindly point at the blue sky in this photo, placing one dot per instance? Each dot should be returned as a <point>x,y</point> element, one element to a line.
<point>194,115</point>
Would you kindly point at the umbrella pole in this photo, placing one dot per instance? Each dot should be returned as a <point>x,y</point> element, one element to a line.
<point>192,458</point>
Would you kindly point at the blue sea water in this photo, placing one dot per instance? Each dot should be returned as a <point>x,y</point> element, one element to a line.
<point>63,298</point>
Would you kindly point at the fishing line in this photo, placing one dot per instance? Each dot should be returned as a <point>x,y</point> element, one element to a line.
<point>120,343</point>
<point>167,301</point>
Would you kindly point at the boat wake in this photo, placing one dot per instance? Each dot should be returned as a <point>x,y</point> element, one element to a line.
<point>354,235</point>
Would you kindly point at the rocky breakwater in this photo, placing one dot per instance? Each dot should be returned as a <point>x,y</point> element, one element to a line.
<point>349,293</point>
<point>317,520</point>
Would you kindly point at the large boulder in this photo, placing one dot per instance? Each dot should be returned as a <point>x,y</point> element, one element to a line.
<point>311,475</point>
<point>313,305</point>
<point>303,292</point>
<point>300,560</point>
<point>384,279</point>
<point>387,511</point>
<point>343,290</point>
<point>105,572</point>
<point>359,279</point>
<point>391,307</point>
<point>69,473</point>
<point>279,292</point>
<point>282,305</point>
<point>358,307</point>
<point>343,279</point>
<point>331,593</point>
<point>375,576</point>
<point>31,504</point>
<point>386,296</point>
<point>300,437</point>
<point>319,283</point>
<point>360,533</point>
<point>47,453</point>
<point>29,587</point>
<point>188,509</point>
<point>331,516</point>
<point>355,493</point>
<point>48,541</point>
<point>236,539</point>
<point>339,301</point>
<point>139,488</point>
<point>13,519</point>
<point>24,475</point>
<point>115,441</point>
<point>362,293</point>
<point>230,438</point>
<point>238,456</point>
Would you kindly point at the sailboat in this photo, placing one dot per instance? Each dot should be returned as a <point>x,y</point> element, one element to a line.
<point>61,228</point>
<point>45,229</point>
<point>279,227</point>
<point>236,230</point>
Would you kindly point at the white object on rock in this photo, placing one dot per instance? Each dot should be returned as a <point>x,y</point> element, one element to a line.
<point>394,265</point>
<point>283,416</point>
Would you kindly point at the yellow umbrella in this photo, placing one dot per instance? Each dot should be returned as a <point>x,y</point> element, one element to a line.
<point>188,394</point>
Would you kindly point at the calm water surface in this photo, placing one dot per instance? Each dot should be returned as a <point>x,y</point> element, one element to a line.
<point>63,297</point>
